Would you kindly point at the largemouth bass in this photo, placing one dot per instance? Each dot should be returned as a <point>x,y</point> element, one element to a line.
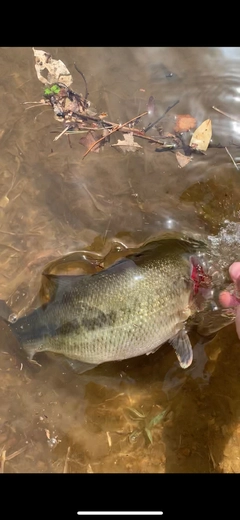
<point>126,310</point>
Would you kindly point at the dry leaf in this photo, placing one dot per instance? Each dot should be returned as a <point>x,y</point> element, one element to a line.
<point>4,201</point>
<point>184,123</point>
<point>71,105</point>
<point>55,70</point>
<point>128,145</point>
<point>182,159</point>
<point>202,136</point>
<point>103,115</point>
<point>89,139</point>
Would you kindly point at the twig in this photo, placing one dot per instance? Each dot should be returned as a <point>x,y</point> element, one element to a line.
<point>231,157</point>
<point>111,398</point>
<point>11,247</point>
<point>32,103</point>
<point>161,117</point>
<point>212,458</point>
<point>66,460</point>
<point>140,134</point>
<point>2,459</point>
<point>109,126</point>
<point>80,131</point>
<point>60,135</point>
<point>117,127</point>
<point>15,453</point>
<point>225,114</point>
<point>8,232</point>
<point>136,133</point>
<point>97,204</point>
<point>34,106</point>
<point>107,229</point>
<point>84,79</point>
<point>40,113</point>
<point>109,439</point>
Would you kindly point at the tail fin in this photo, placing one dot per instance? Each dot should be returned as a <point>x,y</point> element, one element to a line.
<point>11,343</point>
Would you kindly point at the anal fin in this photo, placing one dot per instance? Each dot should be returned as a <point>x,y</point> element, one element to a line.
<point>79,366</point>
<point>183,348</point>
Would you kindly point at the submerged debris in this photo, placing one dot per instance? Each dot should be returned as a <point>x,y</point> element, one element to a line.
<point>73,110</point>
<point>231,157</point>
<point>4,457</point>
<point>128,144</point>
<point>56,70</point>
<point>146,423</point>
<point>202,136</point>
<point>184,123</point>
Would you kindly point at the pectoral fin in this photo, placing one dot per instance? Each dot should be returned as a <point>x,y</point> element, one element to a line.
<point>183,348</point>
<point>31,349</point>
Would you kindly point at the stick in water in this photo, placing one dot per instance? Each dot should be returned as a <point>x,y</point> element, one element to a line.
<point>231,157</point>
<point>117,127</point>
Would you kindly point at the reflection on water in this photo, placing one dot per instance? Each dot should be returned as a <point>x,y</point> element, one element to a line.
<point>53,203</point>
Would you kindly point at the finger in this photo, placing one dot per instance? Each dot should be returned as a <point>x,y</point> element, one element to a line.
<point>234,271</point>
<point>228,300</point>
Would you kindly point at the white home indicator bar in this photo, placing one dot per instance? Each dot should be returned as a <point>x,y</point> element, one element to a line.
<point>120,512</point>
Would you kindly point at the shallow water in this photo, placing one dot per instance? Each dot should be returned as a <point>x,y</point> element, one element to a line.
<point>52,202</point>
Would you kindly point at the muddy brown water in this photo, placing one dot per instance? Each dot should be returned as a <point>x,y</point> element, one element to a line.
<point>52,202</point>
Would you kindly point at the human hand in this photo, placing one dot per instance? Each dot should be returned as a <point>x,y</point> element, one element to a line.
<point>231,300</point>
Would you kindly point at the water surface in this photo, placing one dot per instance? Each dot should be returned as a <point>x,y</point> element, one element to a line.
<point>52,202</point>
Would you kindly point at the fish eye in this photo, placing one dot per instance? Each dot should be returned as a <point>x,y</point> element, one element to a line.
<point>12,318</point>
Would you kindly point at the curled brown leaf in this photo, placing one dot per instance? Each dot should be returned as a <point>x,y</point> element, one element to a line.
<point>184,123</point>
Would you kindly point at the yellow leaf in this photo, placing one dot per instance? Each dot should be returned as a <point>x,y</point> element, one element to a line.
<point>202,136</point>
